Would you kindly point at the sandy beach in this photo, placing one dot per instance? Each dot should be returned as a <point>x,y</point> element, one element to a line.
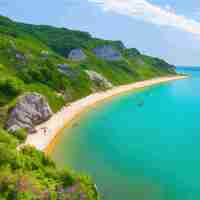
<point>48,131</point>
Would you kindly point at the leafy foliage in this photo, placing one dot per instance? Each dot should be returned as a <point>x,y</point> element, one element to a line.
<point>20,134</point>
<point>30,57</point>
<point>10,88</point>
<point>28,174</point>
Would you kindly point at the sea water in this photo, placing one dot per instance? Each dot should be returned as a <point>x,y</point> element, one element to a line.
<point>142,145</point>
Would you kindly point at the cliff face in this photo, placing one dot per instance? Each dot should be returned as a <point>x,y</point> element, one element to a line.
<point>77,55</point>
<point>99,81</point>
<point>31,110</point>
<point>107,52</point>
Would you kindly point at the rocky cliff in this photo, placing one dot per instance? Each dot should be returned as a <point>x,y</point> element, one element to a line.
<point>107,52</point>
<point>99,81</point>
<point>31,109</point>
<point>77,55</point>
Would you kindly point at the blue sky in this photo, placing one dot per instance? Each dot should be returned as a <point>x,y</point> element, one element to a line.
<point>169,29</point>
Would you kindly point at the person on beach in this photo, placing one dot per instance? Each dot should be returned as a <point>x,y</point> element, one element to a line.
<point>44,130</point>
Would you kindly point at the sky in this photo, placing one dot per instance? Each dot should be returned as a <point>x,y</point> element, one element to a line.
<point>169,29</point>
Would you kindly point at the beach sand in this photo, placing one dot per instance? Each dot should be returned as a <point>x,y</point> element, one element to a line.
<point>48,132</point>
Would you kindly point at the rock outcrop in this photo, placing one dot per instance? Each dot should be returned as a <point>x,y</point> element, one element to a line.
<point>107,52</point>
<point>66,70</point>
<point>77,55</point>
<point>100,82</point>
<point>20,57</point>
<point>31,109</point>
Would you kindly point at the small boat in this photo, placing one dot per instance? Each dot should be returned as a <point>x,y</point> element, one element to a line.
<point>140,104</point>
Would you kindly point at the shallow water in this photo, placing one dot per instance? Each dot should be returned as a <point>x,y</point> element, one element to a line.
<point>142,145</point>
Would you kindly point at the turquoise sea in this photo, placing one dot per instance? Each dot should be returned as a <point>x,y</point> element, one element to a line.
<point>142,145</point>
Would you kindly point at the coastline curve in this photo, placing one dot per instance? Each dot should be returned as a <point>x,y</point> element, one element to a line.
<point>62,119</point>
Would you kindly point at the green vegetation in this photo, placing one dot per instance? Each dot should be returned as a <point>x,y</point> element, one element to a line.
<point>30,56</point>
<point>28,174</point>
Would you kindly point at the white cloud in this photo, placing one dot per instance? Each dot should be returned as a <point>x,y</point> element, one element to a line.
<point>143,10</point>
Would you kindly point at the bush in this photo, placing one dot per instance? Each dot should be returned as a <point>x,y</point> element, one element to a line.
<point>7,155</point>
<point>20,134</point>
<point>8,139</point>
<point>11,86</point>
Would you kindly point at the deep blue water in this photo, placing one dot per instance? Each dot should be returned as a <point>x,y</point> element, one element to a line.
<point>142,145</point>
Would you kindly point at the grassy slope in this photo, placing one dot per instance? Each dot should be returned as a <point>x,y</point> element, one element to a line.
<point>42,74</point>
<point>24,68</point>
<point>29,175</point>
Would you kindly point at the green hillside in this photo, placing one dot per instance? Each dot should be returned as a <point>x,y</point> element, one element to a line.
<point>30,57</point>
<point>23,60</point>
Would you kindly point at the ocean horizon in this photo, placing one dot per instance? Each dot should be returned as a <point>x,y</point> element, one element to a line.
<point>92,104</point>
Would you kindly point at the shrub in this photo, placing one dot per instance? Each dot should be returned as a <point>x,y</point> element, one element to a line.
<point>20,134</point>
<point>11,86</point>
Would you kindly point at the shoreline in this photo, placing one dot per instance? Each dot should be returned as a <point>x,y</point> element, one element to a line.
<point>63,118</point>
